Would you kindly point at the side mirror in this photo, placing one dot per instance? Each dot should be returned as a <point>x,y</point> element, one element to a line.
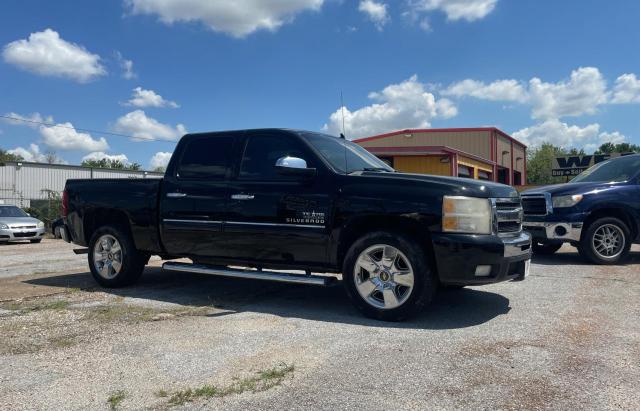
<point>294,166</point>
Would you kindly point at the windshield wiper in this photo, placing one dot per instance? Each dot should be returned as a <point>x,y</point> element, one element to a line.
<point>376,169</point>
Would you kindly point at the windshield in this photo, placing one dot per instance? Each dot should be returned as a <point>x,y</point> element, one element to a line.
<point>611,171</point>
<point>345,156</point>
<point>12,211</point>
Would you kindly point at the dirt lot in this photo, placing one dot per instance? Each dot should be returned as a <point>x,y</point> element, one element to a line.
<point>568,337</point>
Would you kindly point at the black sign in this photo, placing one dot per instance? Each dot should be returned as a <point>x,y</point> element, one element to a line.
<point>574,165</point>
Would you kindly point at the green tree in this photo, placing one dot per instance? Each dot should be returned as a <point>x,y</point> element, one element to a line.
<point>540,162</point>
<point>6,156</point>
<point>160,169</point>
<point>608,148</point>
<point>107,163</point>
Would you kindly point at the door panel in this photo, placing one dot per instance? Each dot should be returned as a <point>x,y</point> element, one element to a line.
<point>276,218</point>
<point>194,199</point>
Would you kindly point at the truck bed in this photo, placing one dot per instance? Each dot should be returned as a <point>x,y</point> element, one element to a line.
<point>93,202</point>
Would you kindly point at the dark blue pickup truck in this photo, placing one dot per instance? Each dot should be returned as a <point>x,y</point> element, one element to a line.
<point>598,212</point>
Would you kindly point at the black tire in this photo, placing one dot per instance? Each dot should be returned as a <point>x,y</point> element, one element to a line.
<point>545,248</point>
<point>36,241</point>
<point>588,250</point>
<point>425,282</point>
<point>132,261</point>
<point>56,233</point>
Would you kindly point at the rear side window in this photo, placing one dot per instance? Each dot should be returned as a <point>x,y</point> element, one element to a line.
<point>207,158</point>
<point>262,152</point>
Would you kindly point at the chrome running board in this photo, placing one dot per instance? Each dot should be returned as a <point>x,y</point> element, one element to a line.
<point>251,274</point>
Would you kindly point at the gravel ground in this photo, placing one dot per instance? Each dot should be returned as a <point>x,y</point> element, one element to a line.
<point>566,338</point>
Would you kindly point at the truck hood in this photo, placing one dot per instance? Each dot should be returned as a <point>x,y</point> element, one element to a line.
<point>11,221</point>
<point>456,185</point>
<point>573,188</point>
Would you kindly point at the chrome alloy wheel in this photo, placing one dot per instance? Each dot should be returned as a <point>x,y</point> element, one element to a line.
<point>107,257</point>
<point>383,276</point>
<point>608,241</point>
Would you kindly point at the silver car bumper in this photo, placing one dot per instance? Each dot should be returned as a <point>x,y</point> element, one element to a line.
<point>561,231</point>
<point>19,234</point>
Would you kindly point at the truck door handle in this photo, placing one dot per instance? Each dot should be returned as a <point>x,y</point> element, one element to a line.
<point>176,195</point>
<point>242,197</point>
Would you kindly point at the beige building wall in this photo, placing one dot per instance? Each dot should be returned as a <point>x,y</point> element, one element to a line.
<point>518,152</point>
<point>472,142</point>
<point>503,144</point>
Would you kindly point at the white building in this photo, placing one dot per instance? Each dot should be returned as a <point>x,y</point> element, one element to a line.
<point>23,182</point>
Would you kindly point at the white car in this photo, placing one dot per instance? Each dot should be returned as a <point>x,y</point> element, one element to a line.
<point>16,225</point>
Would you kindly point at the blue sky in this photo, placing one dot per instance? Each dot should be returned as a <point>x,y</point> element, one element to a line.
<point>561,71</point>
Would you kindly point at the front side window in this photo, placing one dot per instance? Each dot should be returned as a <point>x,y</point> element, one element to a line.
<point>345,156</point>
<point>207,157</point>
<point>611,171</point>
<point>12,211</point>
<point>263,151</point>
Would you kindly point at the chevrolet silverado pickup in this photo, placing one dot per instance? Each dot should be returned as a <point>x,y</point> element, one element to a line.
<point>598,212</point>
<point>275,200</point>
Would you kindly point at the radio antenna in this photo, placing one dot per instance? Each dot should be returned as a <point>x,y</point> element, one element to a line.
<point>342,110</point>
<point>342,136</point>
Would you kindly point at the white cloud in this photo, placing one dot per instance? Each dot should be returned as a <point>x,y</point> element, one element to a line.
<point>64,137</point>
<point>398,106</point>
<point>626,90</point>
<point>32,120</point>
<point>160,159</point>
<point>61,136</point>
<point>100,155</point>
<point>375,11</point>
<point>137,124</point>
<point>469,10</point>
<point>561,134</point>
<point>499,90</point>
<point>149,98</point>
<point>582,94</point>
<point>126,66</point>
<point>33,154</point>
<point>237,18</point>
<point>47,54</point>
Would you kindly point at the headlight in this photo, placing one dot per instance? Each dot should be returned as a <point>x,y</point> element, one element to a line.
<point>40,224</point>
<point>3,226</point>
<point>566,201</point>
<point>466,215</point>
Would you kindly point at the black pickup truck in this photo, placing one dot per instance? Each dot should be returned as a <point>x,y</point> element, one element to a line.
<point>290,200</point>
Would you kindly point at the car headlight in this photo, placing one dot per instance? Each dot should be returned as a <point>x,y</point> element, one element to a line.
<point>566,201</point>
<point>466,215</point>
<point>40,224</point>
<point>3,226</point>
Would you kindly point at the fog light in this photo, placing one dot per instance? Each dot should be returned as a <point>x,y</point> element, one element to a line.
<point>483,271</point>
<point>560,231</point>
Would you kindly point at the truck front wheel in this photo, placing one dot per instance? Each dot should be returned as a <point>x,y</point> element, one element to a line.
<point>606,241</point>
<point>113,258</point>
<point>387,276</point>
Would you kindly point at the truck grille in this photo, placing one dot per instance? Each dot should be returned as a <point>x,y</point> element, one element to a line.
<point>534,205</point>
<point>508,215</point>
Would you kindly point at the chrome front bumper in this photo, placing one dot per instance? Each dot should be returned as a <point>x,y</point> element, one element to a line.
<point>517,246</point>
<point>558,231</point>
<point>20,234</point>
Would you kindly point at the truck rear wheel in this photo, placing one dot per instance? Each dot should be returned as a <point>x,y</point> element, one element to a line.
<point>113,258</point>
<point>387,276</point>
<point>606,241</point>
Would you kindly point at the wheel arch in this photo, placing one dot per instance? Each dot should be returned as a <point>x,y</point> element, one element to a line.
<point>99,217</point>
<point>360,226</point>
<point>621,213</point>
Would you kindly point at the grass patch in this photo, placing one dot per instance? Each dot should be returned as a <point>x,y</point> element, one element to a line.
<point>38,306</point>
<point>115,399</point>
<point>262,381</point>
